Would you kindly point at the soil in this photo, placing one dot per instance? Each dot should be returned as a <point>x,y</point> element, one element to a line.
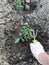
<point>20,54</point>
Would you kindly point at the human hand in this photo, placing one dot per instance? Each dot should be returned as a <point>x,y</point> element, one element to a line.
<point>36,49</point>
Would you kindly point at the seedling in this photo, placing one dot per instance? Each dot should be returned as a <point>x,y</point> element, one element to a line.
<point>19,5</point>
<point>26,34</point>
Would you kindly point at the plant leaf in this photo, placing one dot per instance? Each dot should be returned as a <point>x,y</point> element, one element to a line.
<point>22,39</point>
<point>20,34</point>
<point>17,40</point>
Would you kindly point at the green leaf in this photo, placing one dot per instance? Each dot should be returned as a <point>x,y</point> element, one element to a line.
<point>17,40</point>
<point>26,34</point>
<point>22,39</point>
<point>20,34</point>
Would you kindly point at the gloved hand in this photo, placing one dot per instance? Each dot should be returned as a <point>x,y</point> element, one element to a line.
<point>36,49</point>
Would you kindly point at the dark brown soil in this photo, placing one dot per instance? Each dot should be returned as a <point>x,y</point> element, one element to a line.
<point>20,53</point>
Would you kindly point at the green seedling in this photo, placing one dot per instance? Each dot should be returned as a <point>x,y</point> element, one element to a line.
<point>26,34</point>
<point>19,5</point>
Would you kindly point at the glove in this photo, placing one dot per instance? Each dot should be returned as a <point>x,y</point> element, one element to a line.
<point>27,7</point>
<point>36,49</point>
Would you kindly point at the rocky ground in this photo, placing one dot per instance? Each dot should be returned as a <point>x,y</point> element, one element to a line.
<point>10,21</point>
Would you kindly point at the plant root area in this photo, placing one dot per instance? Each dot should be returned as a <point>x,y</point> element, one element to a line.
<point>19,53</point>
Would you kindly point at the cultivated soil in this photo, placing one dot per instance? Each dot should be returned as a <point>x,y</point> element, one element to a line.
<point>20,54</point>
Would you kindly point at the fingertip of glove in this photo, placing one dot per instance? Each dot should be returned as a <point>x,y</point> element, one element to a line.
<point>31,44</point>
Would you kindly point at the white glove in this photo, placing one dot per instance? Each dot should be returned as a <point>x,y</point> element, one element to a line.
<point>36,49</point>
<point>27,6</point>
